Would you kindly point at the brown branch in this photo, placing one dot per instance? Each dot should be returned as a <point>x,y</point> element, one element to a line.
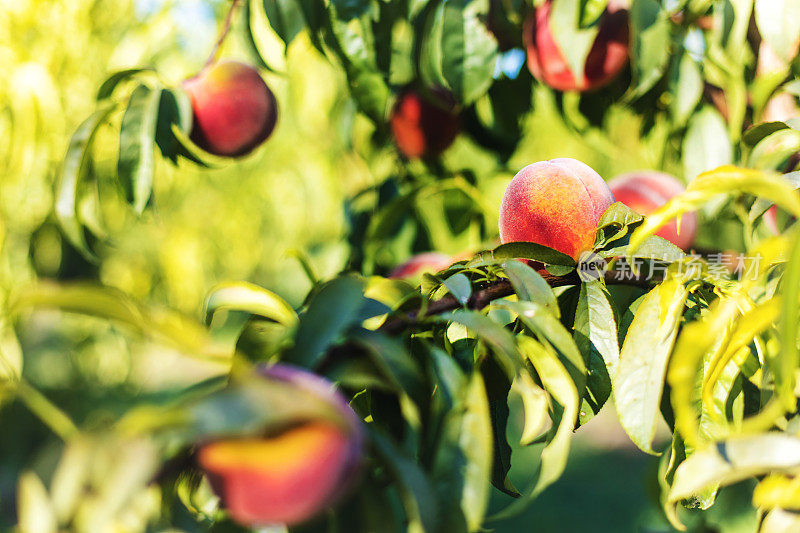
<point>493,291</point>
<point>226,28</point>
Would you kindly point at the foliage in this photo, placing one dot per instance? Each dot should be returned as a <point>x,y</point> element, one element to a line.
<point>115,371</point>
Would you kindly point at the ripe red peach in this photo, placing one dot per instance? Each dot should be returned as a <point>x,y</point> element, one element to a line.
<point>555,203</point>
<point>607,56</point>
<point>421,263</point>
<point>234,110</point>
<point>290,475</point>
<point>646,191</point>
<point>422,128</point>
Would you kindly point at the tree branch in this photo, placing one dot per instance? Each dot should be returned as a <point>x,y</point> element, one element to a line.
<point>496,290</point>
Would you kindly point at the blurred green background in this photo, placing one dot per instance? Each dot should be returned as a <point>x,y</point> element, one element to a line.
<point>246,220</point>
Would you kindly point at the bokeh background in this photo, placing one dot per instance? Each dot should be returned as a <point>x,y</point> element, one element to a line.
<point>251,219</point>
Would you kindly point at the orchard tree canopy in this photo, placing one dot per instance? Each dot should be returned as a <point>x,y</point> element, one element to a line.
<point>378,265</point>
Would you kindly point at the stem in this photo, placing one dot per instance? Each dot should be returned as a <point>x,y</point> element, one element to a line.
<point>46,411</point>
<point>493,291</point>
<point>226,28</point>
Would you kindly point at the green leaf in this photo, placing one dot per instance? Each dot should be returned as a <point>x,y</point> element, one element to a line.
<point>415,489</point>
<point>534,402</point>
<point>395,363</point>
<point>34,509</point>
<point>354,43</point>
<point>595,335</point>
<point>707,144</point>
<point>787,364</point>
<point>639,377</point>
<point>136,163</point>
<point>286,18</point>
<point>458,51</point>
<point>111,83</point>
<point>686,86</point>
<point>463,464</point>
<point>250,298</point>
<point>496,336</point>
<point>498,385</point>
<point>758,132</point>
<point>573,41</point>
<point>110,304</point>
<point>548,328</point>
<point>650,25</point>
<point>772,152</point>
<point>558,383</point>
<point>460,287</point>
<point>777,24</point>
<point>733,460</point>
<point>531,250</point>
<point>332,310</point>
<point>530,286</point>
<point>73,171</point>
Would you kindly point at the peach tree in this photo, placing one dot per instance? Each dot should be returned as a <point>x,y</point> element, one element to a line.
<point>385,400</point>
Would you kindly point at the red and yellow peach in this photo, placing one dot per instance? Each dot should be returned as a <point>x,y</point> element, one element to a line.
<point>555,203</point>
<point>421,128</point>
<point>646,191</point>
<point>289,475</point>
<point>607,56</point>
<point>234,110</point>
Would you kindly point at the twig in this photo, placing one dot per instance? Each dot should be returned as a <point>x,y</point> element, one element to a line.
<point>226,28</point>
<point>495,290</point>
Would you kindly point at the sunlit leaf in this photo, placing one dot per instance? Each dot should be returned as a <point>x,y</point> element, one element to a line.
<point>136,163</point>
<point>639,377</point>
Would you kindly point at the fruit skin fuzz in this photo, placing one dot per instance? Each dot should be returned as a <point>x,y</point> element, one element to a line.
<point>555,203</point>
<point>234,110</point>
<point>291,475</point>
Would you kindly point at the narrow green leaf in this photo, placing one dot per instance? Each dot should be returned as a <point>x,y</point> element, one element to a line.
<point>777,24</point>
<point>73,171</point>
<point>530,286</point>
<point>111,83</point>
<point>463,464</point>
<point>460,287</point>
<point>243,296</point>
<point>458,51</point>
<point>639,377</point>
<point>416,492</point>
<point>331,311</point>
<point>650,34</point>
<point>559,384</point>
<point>707,144</point>
<point>595,335</point>
<point>136,163</point>
<point>531,250</point>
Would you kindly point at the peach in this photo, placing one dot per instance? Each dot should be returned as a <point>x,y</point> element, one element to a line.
<point>646,191</point>
<point>421,263</point>
<point>607,56</point>
<point>234,110</point>
<point>555,203</point>
<point>421,128</point>
<point>290,475</point>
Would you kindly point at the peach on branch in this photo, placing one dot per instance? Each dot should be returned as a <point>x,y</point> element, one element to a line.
<point>234,110</point>
<point>646,191</point>
<point>291,474</point>
<point>555,203</point>
<point>421,263</point>
<point>607,56</point>
<point>422,128</point>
